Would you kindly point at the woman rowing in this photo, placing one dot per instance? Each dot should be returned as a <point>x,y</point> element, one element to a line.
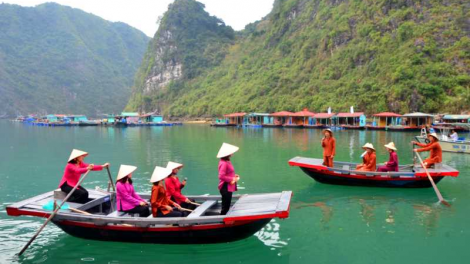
<point>162,206</point>
<point>76,167</point>
<point>392,163</point>
<point>227,177</point>
<point>173,187</point>
<point>369,159</point>
<point>328,144</point>
<point>435,155</point>
<point>127,199</point>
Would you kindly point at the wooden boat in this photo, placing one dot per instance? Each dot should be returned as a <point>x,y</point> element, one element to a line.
<point>344,173</point>
<point>320,126</point>
<point>88,123</point>
<point>458,146</point>
<point>98,220</point>
<point>272,125</point>
<point>222,125</point>
<point>293,125</point>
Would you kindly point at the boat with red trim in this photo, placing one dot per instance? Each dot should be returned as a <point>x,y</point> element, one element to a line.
<point>98,220</point>
<point>344,173</point>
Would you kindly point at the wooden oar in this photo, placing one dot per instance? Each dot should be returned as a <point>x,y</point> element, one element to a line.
<point>79,211</point>
<point>438,193</point>
<point>110,179</point>
<point>53,214</point>
<point>191,202</point>
<point>184,209</point>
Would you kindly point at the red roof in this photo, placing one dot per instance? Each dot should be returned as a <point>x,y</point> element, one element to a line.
<point>387,114</point>
<point>358,114</point>
<point>235,115</point>
<point>323,115</point>
<point>304,113</point>
<point>282,113</point>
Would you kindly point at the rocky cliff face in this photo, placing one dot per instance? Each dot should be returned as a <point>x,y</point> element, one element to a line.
<point>188,42</point>
<point>166,67</point>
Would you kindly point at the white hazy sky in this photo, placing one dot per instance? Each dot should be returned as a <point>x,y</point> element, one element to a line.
<point>143,14</point>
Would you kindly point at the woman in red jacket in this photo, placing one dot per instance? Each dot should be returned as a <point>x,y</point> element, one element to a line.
<point>174,186</point>
<point>74,169</point>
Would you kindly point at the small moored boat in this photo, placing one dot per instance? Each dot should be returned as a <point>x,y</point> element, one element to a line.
<point>98,219</point>
<point>344,173</point>
<point>462,145</point>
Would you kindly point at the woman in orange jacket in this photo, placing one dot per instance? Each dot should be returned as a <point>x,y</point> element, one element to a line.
<point>435,155</point>
<point>162,206</point>
<point>369,159</point>
<point>328,144</point>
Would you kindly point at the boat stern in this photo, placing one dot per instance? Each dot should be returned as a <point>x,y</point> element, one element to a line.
<point>311,163</point>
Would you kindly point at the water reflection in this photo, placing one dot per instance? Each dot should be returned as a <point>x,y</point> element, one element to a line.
<point>375,212</point>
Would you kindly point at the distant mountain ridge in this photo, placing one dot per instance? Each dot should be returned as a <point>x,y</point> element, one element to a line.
<point>378,55</point>
<point>58,59</point>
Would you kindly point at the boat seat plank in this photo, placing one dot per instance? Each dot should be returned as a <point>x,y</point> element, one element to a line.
<point>118,214</point>
<point>200,210</point>
<point>94,203</point>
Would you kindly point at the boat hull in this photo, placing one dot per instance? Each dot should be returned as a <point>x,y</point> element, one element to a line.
<point>218,233</point>
<point>345,173</point>
<point>331,178</point>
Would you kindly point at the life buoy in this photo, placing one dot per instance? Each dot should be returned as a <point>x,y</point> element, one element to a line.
<point>427,141</point>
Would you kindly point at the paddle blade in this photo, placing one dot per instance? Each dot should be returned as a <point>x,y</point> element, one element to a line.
<point>446,203</point>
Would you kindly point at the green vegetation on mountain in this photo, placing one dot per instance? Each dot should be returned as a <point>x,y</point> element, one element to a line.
<point>378,55</point>
<point>57,59</point>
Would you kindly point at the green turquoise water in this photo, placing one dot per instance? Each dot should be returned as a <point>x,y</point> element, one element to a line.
<point>327,224</point>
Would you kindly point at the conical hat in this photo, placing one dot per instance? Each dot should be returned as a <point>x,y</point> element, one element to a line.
<point>227,150</point>
<point>329,130</point>
<point>369,146</point>
<point>160,173</point>
<point>391,145</point>
<point>125,170</point>
<point>173,165</point>
<point>434,135</point>
<point>77,153</point>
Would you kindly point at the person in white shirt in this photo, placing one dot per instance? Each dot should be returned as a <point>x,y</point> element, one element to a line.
<point>454,136</point>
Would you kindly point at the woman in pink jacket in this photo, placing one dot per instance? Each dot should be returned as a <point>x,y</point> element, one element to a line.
<point>74,169</point>
<point>227,177</point>
<point>126,199</point>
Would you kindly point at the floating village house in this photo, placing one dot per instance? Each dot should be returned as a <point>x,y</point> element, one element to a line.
<point>235,118</point>
<point>352,120</point>
<point>51,118</point>
<point>128,118</point>
<point>302,118</point>
<point>281,118</point>
<point>77,118</point>
<point>321,120</point>
<point>383,120</point>
<point>151,118</point>
<point>257,119</point>
<point>462,119</point>
<point>418,120</point>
